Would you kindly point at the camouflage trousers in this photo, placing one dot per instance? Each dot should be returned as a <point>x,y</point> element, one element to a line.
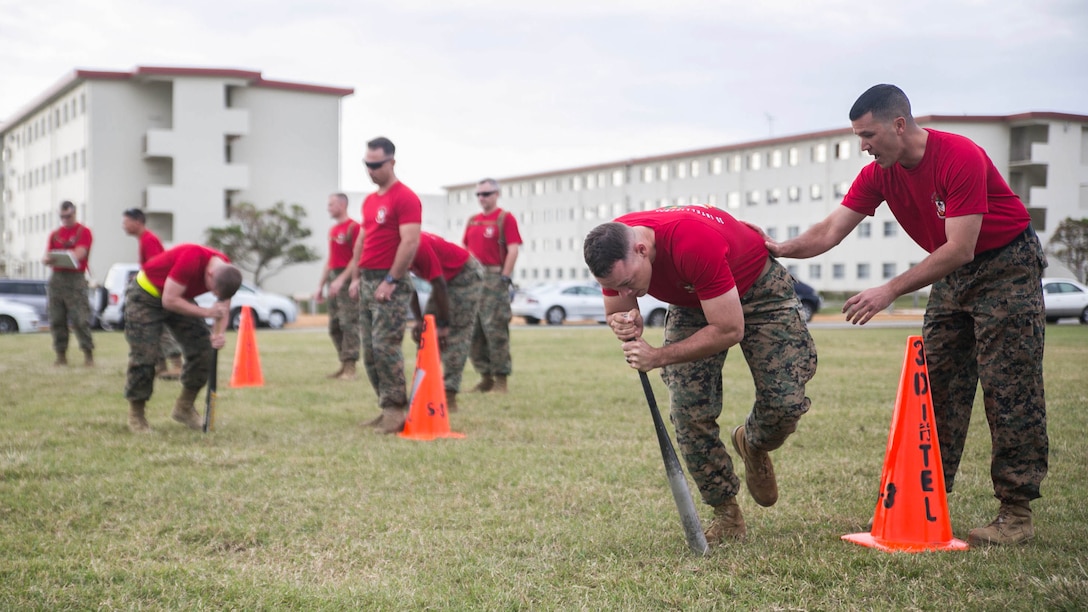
<point>343,320</point>
<point>465,291</point>
<point>985,323</point>
<point>383,325</point>
<point>145,320</point>
<point>491,336</point>
<point>68,303</point>
<point>782,359</point>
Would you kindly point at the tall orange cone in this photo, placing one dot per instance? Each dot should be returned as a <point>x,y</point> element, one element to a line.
<point>247,362</point>
<point>428,417</point>
<point>912,509</point>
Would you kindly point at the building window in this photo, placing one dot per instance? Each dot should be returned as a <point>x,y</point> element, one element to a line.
<point>838,271</point>
<point>734,163</point>
<point>712,199</point>
<point>815,192</point>
<point>793,156</point>
<point>889,270</point>
<point>890,229</point>
<point>732,199</point>
<point>617,177</point>
<point>647,175</point>
<point>842,149</point>
<point>755,161</point>
<point>819,153</point>
<point>681,170</point>
<point>576,183</point>
<point>792,269</point>
<point>793,231</point>
<point>716,165</point>
<point>663,172</point>
<point>602,211</point>
<point>774,195</point>
<point>865,229</point>
<point>794,194</point>
<point>617,210</point>
<point>863,271</point>
<point>591,181</point>
<point>841,188</point>
<point>694,168</point>
<point>772,233</point>
<point>775,159</point>
<point>814,271</point>
<point>754,196</point>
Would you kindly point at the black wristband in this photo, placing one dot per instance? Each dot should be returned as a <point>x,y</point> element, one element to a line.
<point>389,279</point>
<point>441,322</point>
<point>507,280</point>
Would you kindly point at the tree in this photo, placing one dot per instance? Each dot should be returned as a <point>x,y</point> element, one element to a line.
<point>1069,245</point>
<point>263,241</point>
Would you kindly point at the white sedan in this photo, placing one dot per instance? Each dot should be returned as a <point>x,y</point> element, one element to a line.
<point>576,301</point>
<point>17,318</point>
<point>269,309</point>
<point>1065,297</point>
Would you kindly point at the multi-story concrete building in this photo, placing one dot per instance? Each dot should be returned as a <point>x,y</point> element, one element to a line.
<point>183,144</point>
<point>783,185</point>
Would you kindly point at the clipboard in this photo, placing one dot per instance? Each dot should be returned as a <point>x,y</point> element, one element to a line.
<point>63,259</point>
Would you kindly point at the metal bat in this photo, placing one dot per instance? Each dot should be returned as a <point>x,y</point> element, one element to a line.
<point>689,518</point>
<point>209,402</point>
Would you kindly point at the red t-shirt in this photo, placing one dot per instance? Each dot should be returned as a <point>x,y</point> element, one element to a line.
<point>482,236</point>
<point>342,243</point>
<point>438,257</point>
<point>701,253</point>
<point>955,178</point>
<point>383,214</point>
<point>185,264</point>
<point>150,246</point>
<point>68,238</point>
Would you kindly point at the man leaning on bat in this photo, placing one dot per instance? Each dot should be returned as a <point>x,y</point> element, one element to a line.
<point>723,289</point>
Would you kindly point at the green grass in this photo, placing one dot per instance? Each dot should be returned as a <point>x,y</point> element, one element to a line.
<point>555,500</point>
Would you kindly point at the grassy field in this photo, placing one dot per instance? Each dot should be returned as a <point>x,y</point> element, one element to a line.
<point>556,500</point>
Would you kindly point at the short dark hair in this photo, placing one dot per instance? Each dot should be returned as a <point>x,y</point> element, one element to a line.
<point>136,215</point>
<point>227,279</point>
<point>383,143</point>
<point>885,102</point>
<point>604,246</point>
<point>66,205</point>
<point>343,197</point>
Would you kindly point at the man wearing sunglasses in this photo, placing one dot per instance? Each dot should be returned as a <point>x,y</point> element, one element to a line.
<point>378,276</point>
<point>493,239</point>
<point>68,286</point>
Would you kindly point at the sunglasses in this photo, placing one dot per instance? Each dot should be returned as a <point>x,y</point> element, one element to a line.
<point>67,215</point>
<point>485,194</point>
<point>377,164</point>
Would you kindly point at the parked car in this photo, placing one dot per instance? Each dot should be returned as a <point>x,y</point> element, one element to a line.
<point>114,286</point>
<point>269,309</point>
<point>17,318</point>
<point>810,300</point>
<point>1065,297</point>
<point>35,293</point>
<point>576,301</point>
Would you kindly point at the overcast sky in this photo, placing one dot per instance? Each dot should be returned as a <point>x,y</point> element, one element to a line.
<point>476,88</point>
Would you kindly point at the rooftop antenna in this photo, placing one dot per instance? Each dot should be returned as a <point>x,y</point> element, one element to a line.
<point>770,124</point>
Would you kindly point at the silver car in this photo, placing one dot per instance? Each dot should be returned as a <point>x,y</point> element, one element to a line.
<point>1065,297</point>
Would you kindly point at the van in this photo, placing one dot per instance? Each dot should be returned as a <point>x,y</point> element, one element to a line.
<point>117,280</point>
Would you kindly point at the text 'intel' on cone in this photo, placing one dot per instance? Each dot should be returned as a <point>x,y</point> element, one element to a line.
<point>912,506</point>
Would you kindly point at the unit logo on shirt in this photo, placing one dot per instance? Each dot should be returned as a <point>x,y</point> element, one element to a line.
<point>380,218</point>
<point>489,231</point>
<point>939,203</point>
<point>341,238</point>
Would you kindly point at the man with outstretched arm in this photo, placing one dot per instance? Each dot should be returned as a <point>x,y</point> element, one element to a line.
<point>723,290</point>
<point>984,322</point>
<point>162,296</point>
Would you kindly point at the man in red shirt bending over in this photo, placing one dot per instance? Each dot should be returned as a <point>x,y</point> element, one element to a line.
<point>723,290</point>
<point>162,297</point>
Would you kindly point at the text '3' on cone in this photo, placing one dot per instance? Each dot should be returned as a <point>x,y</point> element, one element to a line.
<point>428,417</point>
<point>247,362</point>
<point>912,509</point>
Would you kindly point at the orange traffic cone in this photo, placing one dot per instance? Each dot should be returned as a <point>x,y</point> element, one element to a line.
<point>428,417</point>
<point>247,362</point>
<point>912,509</point>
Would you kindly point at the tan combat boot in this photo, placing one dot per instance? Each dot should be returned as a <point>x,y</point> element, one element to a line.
<point>62,360</point>
<point>392,420</point>
<point>185,412</point>
<point>727,524</point>
<point>758,470</point>
<point>137,422</point>
<point>88,359</point>
<point>486,384</point>
<point>451,401</point>
<point>500,384</point>
<point>1012,526</point>
<point>337,373</point>
<point>347,371</point>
